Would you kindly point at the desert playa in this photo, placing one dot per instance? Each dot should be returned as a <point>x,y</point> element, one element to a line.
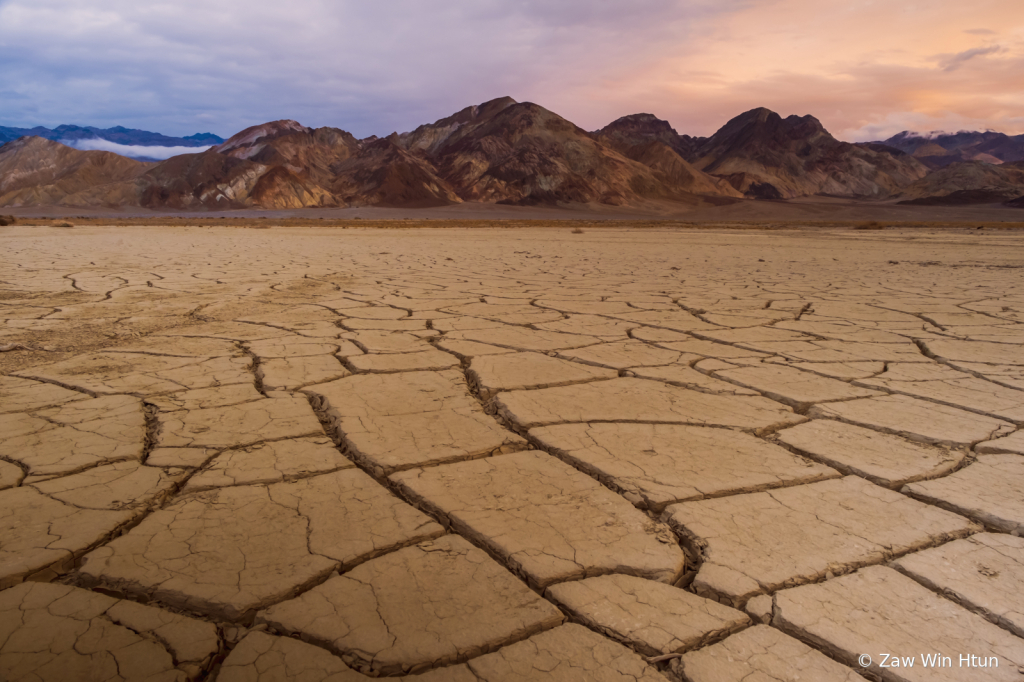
<point>511,451</point>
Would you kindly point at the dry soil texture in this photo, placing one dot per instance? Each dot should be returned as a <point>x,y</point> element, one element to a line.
<point>500,455</point>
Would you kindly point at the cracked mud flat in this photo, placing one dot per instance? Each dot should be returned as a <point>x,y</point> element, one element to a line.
<point>651,617</point>
<point>548,521</point>
<point>59,632</point>
<point>434,603</point>
<point>509,455</point>
<point>805,533</point>
<point>984,572</point>
<point>901,615</point>
<point>762,653</point>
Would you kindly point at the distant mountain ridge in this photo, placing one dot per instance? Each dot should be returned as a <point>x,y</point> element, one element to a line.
<point>967,182</point>
<point>117,134</point>
<point>937,150</point>
<point>500,151</point>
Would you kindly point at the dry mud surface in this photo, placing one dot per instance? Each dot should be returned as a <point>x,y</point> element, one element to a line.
<point>505,455</point>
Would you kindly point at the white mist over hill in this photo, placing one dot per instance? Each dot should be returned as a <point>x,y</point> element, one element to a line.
<point>131,150</point>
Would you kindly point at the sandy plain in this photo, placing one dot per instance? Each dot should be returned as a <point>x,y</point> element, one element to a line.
<point>517,452</point>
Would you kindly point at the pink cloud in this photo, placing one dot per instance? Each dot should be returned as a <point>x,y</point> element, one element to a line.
<point>374,68</point>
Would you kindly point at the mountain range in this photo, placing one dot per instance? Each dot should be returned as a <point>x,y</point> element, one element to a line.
<point>938,150</point>
<point>501,151</point>
<point>117,134</point>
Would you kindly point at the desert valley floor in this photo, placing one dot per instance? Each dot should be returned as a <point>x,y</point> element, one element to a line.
<point>502,455</point>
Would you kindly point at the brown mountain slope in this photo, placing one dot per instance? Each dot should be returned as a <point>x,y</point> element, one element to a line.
<point>211,181</point>
<point>759,151</point>
<point>276,165</point>
<point>329,167</point>
<point>208,180</point>
<point>521,153</point>
<point>970,182</point>
<point>935,156</point>
<point>383,173</point>
<point>427,139</point>
<point>35,171</point>
<point>305,152</point>
<point>654,143</point>
<point>254,139</point>
<point>279,188</point>
<point>639,129</point>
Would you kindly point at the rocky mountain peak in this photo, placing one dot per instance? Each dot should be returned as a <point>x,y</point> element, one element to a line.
<point>430,136</point>
<point>638,128</point>
<point>256,136</point>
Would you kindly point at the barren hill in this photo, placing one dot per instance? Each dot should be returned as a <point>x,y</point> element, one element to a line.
<point>654,143</point>
<point>503,151</point>
<point>940,150</point>
<point>208,180</point>
<point>36,171</point>
<point>640,129</point>
<point>428,138</point>
<point>763,154</point>
<point>384,173</point>
<point>330,167</point>
<point>967,182</point>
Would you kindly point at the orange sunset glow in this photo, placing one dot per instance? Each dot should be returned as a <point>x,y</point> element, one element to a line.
<point>866,69</point>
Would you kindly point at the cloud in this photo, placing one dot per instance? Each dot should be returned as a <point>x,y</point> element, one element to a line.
<point>954,62</point>
<point>370,68</point>
<point>373,68</point>
<point>876,77</point>
<point>132,150</point>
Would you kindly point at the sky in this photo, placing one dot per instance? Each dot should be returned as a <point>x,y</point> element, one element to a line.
<point>866,68</point>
